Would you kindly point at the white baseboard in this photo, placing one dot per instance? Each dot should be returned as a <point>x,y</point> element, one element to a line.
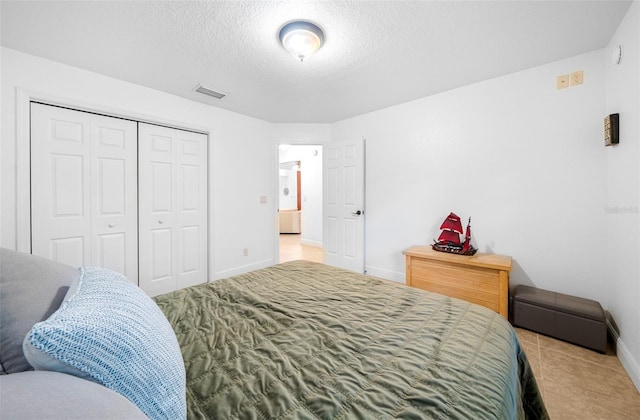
<point>243,269</point>
<point>310,242</point>
<point>625,356</point>
<point>385,274</point>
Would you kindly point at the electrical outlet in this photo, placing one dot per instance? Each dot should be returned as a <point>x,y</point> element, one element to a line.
<point>577,78</point>
<point>263,199</point>
<point>245,252</point>
<point>562,81</point>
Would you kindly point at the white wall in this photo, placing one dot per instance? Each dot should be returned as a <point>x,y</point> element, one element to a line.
<point>237,218</point>
<point>623,188</point>
<point>524,160</point>
<point>301,133</point>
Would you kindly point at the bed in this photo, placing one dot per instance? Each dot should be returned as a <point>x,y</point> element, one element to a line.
<point>308,341</point>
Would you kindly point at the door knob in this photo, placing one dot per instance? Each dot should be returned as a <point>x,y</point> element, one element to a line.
<point>161,221</point>
<point>357,213</point>
<point>111,225</point>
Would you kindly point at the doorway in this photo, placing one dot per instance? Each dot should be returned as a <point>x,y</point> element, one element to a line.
<point>300,202</point>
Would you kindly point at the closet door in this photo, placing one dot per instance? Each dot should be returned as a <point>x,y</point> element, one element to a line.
<point>84,189</point>
<point>172,167</point>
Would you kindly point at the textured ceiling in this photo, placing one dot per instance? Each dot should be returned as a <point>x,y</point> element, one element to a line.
<point>376,53</point>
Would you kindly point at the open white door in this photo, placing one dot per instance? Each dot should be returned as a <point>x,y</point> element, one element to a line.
<point>344,217</point>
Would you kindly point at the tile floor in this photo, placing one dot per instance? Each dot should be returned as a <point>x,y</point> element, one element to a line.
<point>576,383</point>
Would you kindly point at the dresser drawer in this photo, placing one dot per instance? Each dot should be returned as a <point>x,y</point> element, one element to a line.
<point>478,279</point>
<point>482,279</point>
<point>490,300</point>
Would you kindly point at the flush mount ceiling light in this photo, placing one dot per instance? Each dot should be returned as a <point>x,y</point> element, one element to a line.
<point>301,38</point>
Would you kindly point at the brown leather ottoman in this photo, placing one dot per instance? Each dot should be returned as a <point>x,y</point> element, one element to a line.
<point>575,320</point>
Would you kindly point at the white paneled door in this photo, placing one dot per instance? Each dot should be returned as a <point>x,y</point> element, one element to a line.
<point>172,166</point>
<point>84,189</point>
<point>344,164</point>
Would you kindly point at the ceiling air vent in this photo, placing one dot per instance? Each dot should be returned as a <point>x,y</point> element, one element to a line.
<point>210,92</point>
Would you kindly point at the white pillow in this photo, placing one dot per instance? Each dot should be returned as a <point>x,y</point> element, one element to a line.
<point>109,331</point>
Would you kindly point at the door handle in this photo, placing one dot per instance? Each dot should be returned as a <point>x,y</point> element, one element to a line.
<point>356,213</point>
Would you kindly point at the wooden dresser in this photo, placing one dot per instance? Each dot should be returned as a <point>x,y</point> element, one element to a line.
<point>481,278</point>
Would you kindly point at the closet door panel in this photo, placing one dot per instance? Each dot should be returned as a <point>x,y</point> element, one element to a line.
<point>71,250</point>
<point>162,251</point>
<point>173,208</point>
<point>190,229</point>
<point>111,252</point>
<point>192,207</point>
<point>111,187</point>
<point>60,185</point>
<point>84,189</point>
<point>157,189</point>
<point>189,195</point>
<point>115,195</point>
<point>162,193</point>
<point>190,240</point>
<point>68,182</point>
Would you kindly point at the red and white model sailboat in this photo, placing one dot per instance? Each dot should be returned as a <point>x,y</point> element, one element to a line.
<point>449,239</point>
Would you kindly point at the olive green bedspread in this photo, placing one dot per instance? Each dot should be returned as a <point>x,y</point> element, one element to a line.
<point>302,340</point>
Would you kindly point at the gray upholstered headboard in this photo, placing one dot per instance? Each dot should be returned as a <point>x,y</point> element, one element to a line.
<point>31,289</point>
